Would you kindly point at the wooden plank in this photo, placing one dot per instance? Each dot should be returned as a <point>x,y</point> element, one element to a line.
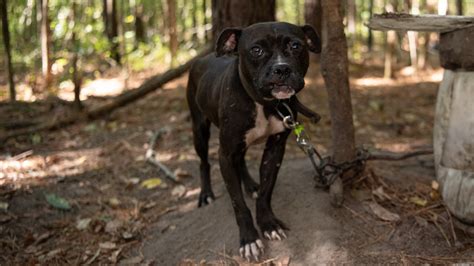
<point>429,23</point>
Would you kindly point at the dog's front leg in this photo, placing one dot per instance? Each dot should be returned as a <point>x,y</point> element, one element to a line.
<point>250,244</point>
<point>271,227</point>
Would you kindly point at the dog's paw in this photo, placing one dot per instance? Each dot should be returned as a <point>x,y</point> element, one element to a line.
<point>273,229</point>
<point>206,198</point>
<point>252,250</point>
<point>251,187</point>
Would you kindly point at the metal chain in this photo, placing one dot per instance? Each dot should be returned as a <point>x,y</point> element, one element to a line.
<point>326,171</point>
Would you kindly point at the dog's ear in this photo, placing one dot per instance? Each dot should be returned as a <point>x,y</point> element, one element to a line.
<point>312,39</point>
<point>228,41</point>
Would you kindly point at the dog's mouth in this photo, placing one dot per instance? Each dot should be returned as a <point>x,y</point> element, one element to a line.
<point>281,91</point>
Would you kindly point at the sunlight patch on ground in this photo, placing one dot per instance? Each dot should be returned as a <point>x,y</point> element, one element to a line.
<point>407,76</point>
<point>37,167</point>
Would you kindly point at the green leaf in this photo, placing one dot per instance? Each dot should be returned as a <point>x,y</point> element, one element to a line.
<point>57,202</point>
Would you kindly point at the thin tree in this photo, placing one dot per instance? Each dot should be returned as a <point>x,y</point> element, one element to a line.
<point>370,38</point>
<point>313,14</point>
<point>391,37</point>
<point>111,28</point>
<point>335,70</point>
<point>172,29</point>
<point>459,7</point>
<point>45,43</point>
<point>6,43</point>
<point>140,35</point>
<point>240,13</point>
<point>204,14</point>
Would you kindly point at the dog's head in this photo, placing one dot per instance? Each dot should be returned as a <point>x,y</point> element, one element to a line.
<point>273,57</point>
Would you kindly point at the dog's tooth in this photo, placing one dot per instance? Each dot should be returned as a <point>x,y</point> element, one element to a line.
<point>275,235</point>
<point>255,195</point>
<point>267,235</point>
<point>282,233</point>
<point>209,200</point>
<point>241,250</point>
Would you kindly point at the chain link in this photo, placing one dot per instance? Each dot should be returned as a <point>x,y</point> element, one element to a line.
<point>326,171</point>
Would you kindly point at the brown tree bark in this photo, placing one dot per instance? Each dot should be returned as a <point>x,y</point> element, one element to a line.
<point>172,29</point>
<point>370,37</point>
<point>6,43</point>
<point>140,35</point>
<point>204,11</point>
<point>240,13</point>
<point>111,27</point>
<point>45,43</point>
<point>335,70</point>
<point>459,7</point>
<point>313,14</point>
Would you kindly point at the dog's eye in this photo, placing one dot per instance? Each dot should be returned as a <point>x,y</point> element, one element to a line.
<point>256,51</point>
<point>295,45</point>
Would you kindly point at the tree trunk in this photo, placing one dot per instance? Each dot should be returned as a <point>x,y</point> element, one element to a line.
<point>111,27</point>
<point>459,7</point>
<point>140,35</point>
<point>6,42</point>
<point>390,37</point>
<point>370,37</point>
<point>414,8</point>
<point>313,14</point>
<point>194,21</point>
<point>172,29</point>
<point>204,14</point>
<point>45,43</point>
<point>76,74</point>
<point>335,70</point>
<point>240,13</point>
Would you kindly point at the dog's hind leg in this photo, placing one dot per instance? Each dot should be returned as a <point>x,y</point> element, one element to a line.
<point>201,134</point>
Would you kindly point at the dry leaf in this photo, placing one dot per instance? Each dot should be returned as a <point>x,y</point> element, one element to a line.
<point>114,202</point>
<point>3,206</point>
<point>435,185</point>
<point>418,201</point>
<point>383,213</point>
<point>361,195</point>
<point>113,226</point>
<point>420,221</point>
<point>83,223</point>
<point>107,245</point>
<point>132,261</point>
<point>151,183</point>
<point>379,192</point>
<point>178,191</point>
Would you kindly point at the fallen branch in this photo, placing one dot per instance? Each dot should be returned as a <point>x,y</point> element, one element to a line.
<point>151,158</point>
<point>395,156</point>
<point>121,100</point>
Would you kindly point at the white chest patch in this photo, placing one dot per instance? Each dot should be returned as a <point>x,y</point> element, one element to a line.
<point>263,127</point>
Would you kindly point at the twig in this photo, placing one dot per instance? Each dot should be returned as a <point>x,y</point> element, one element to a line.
<point>442,232</point>
<point>150,156</point>
<point>455,238</point>
<point>21,155</point>
<point>423,210</point>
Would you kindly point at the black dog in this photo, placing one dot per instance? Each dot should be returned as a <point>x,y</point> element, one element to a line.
<point>240,89</point>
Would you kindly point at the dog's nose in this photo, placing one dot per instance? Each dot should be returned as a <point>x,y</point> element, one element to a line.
<point>281,70</point>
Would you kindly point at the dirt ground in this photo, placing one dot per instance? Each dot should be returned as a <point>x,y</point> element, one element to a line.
<point>392,213</point>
